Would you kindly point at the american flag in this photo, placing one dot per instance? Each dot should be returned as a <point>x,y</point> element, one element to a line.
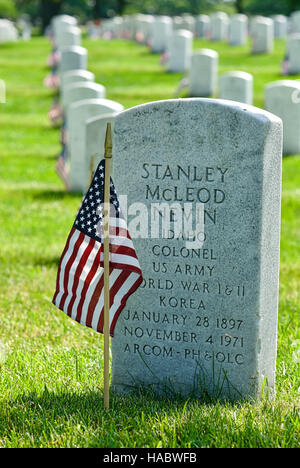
<point>80,277</point>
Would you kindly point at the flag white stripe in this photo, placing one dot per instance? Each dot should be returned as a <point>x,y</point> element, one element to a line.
<point>72,271</point>
<point>89,295</point>
<point>100,304</point>
<point>126,286</point>
<point>81,282</point>
<point>64,262</point>
<point>124,260</point>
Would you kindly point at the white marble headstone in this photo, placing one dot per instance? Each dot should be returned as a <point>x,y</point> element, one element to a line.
<point>74,76</point>
<point>204,320</point>
<point>180,51</point>
<point>203,75</point>
<point>238,30</point>
<point>294,54</point>
<point>282,98</point>
<point>236,86</point>
<point>161,32</point>
<point>219,26</point>
<point>202,26</point>
<point>82,90</point>
<point>95,138</point>
<point>263,36</point>
<point>73,58</point>
<point>77,115</point>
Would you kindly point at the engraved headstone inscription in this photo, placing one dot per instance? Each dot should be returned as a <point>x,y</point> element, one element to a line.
<point>202,180</point>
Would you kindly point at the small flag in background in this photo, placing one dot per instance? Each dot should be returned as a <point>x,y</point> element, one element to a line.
<point>80,278</point>
<point>61,167</point>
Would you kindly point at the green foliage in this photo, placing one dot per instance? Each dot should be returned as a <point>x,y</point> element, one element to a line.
<point>7,9</point>
<point>267,7</point>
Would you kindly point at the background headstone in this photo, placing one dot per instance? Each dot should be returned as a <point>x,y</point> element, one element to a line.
<point>294,54</point>
<point>219,26</point>
<point>77,115</point>
<point>205,318</point>
<point>203,77</point>
<point>280,26</point>
<point>236,86</point>
<point>68,36</point>
<point>161,32</point>
<point>295,22</point>
<point>74,76</point>
<point>8,31</point>
<point>263,36</point>
<point>282,98</point>
<point>180,51</point>
<point>238,30</point>
<point>73,58</point>
<point>82,90</point>
<point>202,26</point>
<point>95,138</point>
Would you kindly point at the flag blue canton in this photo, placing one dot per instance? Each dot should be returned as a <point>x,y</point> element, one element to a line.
<point>90,217</point>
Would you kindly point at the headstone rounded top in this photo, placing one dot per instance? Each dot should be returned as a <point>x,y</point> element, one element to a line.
<point>264,20</point>
<point>202,17</point>
<point>163,19</point>
<point>113,105</point>
<point>183,33</point>
<point>85,84</point>
<point>97,118</point>
<point>75,48</point>
<point>64,18</point>
<point>209,52</point>
<point>191,104</point>
<point>239,16</point>
<point>238,74</point>
<point>284,83</point>
<point>220,14</point>
<point>89,76</point>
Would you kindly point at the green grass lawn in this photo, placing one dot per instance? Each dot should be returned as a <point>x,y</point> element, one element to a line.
<point>51,385</point>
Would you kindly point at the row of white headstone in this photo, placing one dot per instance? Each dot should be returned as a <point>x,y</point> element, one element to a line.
<point>282,97</point>
<point>217,26</point>
<point>162,34</point>
<point>83,102</point>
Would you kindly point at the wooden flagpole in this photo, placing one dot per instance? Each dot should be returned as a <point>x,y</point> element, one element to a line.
<point>107,155</point>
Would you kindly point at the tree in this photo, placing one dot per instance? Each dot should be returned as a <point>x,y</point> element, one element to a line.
<point>48,9</point>
<point>7,9</point>
<point>239,5</point>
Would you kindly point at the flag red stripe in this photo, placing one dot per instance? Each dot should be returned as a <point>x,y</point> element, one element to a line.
<point>78,272</point>
<point>95,298</point>
<point>112,292</point>
<point>120,249</point>
<point>68,267</point>
<point>123,303</point>
<point>125,266</point>
<point>87,283</point>
<point>60,262</point>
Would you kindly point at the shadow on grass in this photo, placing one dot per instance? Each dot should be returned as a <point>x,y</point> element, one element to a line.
<point>46,261</point>
<point>50,195</point>
<point>41,411</point>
